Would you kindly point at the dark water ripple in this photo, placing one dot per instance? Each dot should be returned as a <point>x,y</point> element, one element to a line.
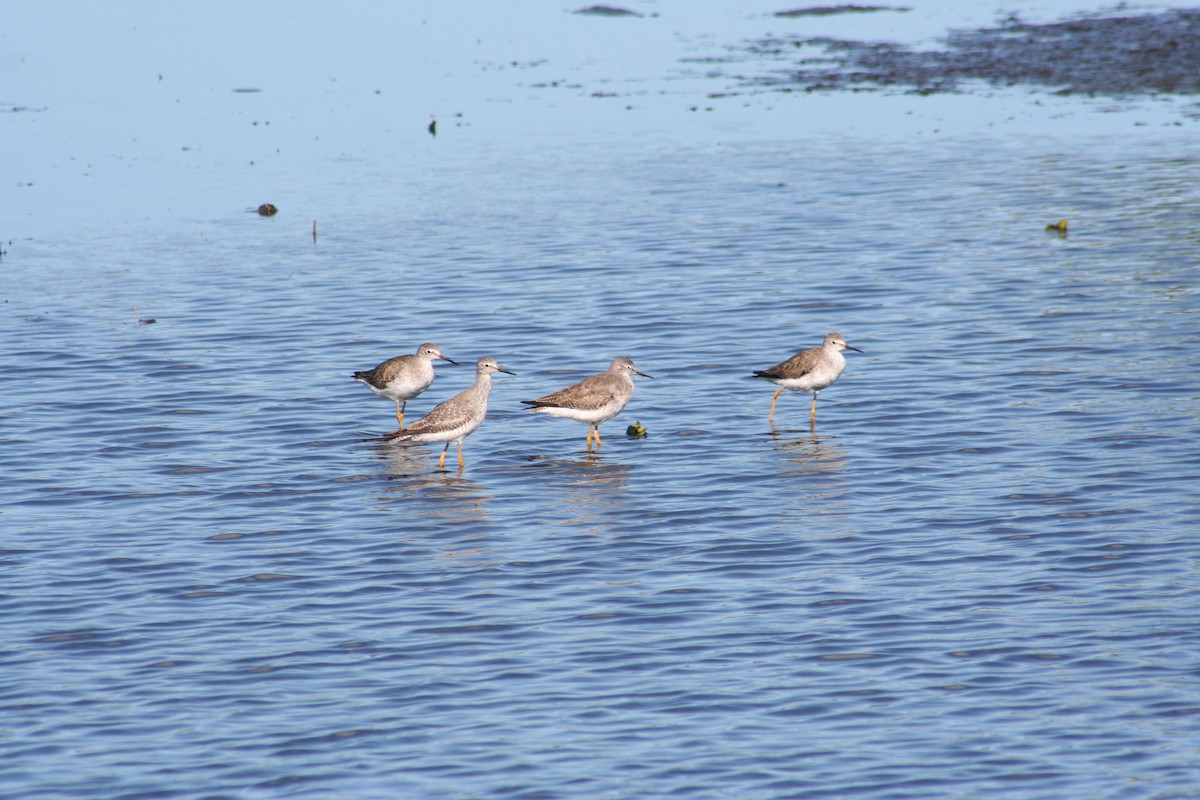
<point>974,577</point>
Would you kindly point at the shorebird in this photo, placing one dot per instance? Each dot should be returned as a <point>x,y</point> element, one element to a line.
<point>453,420</point>
<point>402,378</point>
<point>593,400</point>
<point>808,371</point>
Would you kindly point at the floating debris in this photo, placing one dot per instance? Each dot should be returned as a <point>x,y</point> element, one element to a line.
<point>267,210</point>
<point>636,430</point>
<point>432,128</point>
<point>143,320</point>
<point>1059,227</point>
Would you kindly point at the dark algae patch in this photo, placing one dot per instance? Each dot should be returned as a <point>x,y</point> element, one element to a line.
<point>607,11</point>
<point>825,11</point>
<point>1111,54</point>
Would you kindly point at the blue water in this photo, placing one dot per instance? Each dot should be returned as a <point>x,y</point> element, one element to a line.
<point>976,577</point>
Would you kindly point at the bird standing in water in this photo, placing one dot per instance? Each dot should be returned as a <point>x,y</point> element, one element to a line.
<point>593,400</point>
<point>808,371</point>
<point>402,378</point>
<point>453,420</point>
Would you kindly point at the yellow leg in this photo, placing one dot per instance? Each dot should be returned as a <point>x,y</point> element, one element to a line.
<point>400,413</point>
<point>596,436</point>
<point>460,461</point>
<point>442,460</point>
<point>774,397</point>
<point>812,414</point>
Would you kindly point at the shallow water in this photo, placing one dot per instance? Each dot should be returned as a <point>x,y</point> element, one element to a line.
<point>974,577</point>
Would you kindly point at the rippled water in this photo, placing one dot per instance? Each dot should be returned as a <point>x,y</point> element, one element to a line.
<point>975,577</point>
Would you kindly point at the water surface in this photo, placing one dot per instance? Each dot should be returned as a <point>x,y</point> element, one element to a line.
<point>974,577</point>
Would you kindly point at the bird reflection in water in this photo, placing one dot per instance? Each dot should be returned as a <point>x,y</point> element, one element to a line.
<point>596,492</point>
<point>431,496</point>
<point>817,457</point>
